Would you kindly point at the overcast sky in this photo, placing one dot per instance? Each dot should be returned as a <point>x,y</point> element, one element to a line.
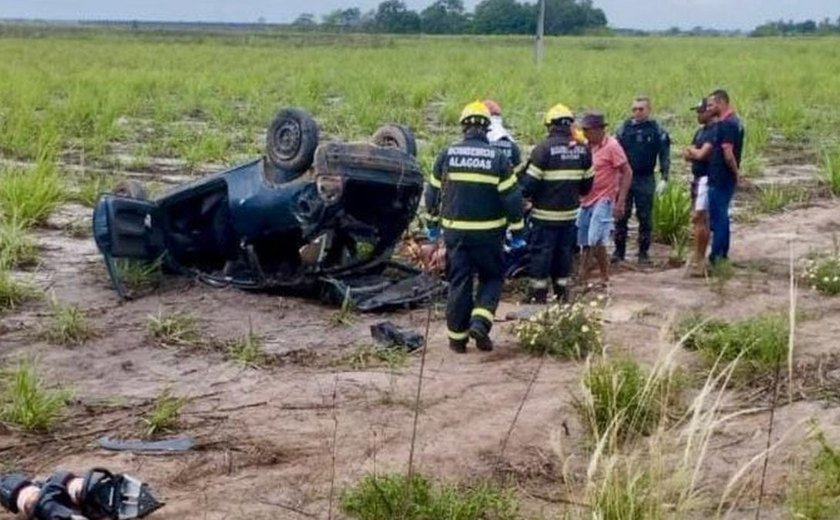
<point>642,14</point>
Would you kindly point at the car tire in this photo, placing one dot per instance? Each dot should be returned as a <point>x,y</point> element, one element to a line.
<point>396,136</point>
<point>131,189</point>
<point>291,140</point>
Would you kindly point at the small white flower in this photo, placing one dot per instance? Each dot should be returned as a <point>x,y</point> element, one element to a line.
<point>825,279</point>
<point>593,304</point>
<point>584,329</point>
<point>836,279</point>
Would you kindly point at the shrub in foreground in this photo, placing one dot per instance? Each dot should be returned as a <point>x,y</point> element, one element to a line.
<point>569,331</point>
<point>823,275</point>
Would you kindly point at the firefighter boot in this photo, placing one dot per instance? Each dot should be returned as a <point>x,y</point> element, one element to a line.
<point>481,335</point>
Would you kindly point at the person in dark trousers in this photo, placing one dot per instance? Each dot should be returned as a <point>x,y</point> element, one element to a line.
<point>558,173</point>
<point>724,171</point>
<point>699,154</point>
<point>475,196</point>
<point>500,137</point>
<point>644,141</point>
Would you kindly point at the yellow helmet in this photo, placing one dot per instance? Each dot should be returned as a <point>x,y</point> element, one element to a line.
<point>558,111</point>
<point>475,112</point>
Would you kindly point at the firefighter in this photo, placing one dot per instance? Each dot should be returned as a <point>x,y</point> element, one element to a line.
<point>473,196</point>
<point>644,141</point>
<point>558,173</point>
<point>500,137</point>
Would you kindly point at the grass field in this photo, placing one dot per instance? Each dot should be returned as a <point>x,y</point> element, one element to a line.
<point>296,413</point>
<point>207,101</point>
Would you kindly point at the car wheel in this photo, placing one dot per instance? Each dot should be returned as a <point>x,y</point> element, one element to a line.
<point>291,140</point>
<point>396,136</point>
<point>131,189</point>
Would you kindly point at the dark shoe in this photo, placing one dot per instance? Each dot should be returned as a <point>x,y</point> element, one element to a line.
<point>644,259</point>
<point>482,340</point>
<point>616,258</point>
<point>561,293</point>
<point>536,296</point>
<point>458,346</point>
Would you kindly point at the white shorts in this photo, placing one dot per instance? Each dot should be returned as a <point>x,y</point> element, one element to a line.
<point>701,199</point>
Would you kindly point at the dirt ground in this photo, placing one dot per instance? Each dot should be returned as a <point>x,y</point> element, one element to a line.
<point>268,439</point>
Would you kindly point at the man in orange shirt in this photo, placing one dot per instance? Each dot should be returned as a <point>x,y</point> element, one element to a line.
<point>607,201</point>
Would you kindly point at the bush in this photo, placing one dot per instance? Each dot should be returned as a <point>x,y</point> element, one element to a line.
<point>823,275</point>
<point>384,497</point>
<point>621,401</point>
<point>569,331</point>
<point>759,341</point>
<point>672,215</point>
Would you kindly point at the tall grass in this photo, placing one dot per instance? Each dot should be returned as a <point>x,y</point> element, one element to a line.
<point>672,215</point>
<point>830,172</point>
<point>391,496</point>
<point>17,248</point>
<point>29,196</point>
<point>26,401</point>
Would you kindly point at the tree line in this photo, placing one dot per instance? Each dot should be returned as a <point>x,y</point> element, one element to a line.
<point>791,28</point>
<point>450,17</point>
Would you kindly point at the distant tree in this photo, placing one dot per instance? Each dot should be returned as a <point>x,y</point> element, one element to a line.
<point>393,16</point>
<point>444,17</point>
<point>504,17</point>
<point>344,18</point>
<point>305,20</point>
<point>572,17</point>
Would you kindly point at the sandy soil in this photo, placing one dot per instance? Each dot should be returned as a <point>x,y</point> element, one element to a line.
<point>265,436</point>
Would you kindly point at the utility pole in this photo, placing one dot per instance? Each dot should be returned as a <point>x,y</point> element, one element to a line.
<point>538,51</point>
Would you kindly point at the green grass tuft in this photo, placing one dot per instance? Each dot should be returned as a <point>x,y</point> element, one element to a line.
<point>68,325</point>
<point>384,497</point>
<point>177,329</point>
<point>830,172</point>
<point>29,196</point>
<point>775,198</point>
<point>366,356</point>
<point>622,402</point>
<point>17,249</point>
<point>139,275</point>
<point>816,494</point>
<point>165,414</point>
<point>672,215</point>
<point>247,350</point>
<point>758,341</point>
<point>26,402</point>
<point>13,292</point>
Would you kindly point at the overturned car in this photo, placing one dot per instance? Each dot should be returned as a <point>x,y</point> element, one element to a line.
<point>311,218</point>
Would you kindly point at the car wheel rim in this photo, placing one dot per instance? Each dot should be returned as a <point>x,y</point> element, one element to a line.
<point>288,139</point>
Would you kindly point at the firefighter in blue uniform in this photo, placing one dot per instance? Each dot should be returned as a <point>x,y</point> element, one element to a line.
<point>474,197</point>
<point>558,173</point>
<point>644,141</point>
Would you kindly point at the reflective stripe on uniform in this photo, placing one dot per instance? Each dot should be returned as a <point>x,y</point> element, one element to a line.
<point>432,218</point>
<point>534,172</point>
<point>482,178</point>
<point>434,181</point>
<point>563,175</point>
<point>483,313</point>
<point>507,183</point>
<point>589,174</point>
<point>538,284</point>
<point>555,216</point>
<point>474,225</point>
<point>516,226</point>
<point>456,335</point>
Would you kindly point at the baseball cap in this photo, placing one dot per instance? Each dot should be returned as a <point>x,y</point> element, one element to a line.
<point>701,106</point>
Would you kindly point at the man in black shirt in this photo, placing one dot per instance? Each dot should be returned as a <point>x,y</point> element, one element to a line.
<point>644,141</point>
<point>699,154</point>
<point>724,171</point>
